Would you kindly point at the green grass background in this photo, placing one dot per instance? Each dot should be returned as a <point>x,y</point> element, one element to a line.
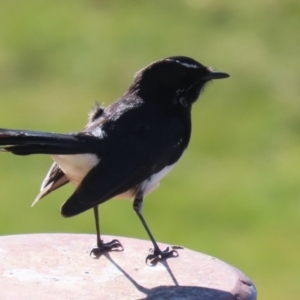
<point>236,192</point>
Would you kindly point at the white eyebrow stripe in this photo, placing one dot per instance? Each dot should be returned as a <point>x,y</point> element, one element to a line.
<point>184,64</point>
<point>189,66</point>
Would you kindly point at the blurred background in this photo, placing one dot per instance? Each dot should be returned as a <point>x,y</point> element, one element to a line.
<point>236,192</point>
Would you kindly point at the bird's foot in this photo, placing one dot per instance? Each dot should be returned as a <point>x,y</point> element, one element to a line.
<point>113,245</point>
<point>156,254</point>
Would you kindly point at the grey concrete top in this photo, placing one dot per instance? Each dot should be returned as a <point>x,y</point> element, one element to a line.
<point>58,266</point>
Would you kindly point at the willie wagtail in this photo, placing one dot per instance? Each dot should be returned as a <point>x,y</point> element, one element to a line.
<point>127,147</point>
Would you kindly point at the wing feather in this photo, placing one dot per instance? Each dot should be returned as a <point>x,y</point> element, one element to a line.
<point>132,161</point>
<point>54,179</point>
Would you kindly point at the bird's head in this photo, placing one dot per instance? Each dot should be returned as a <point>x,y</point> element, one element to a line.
<point>175,80</point>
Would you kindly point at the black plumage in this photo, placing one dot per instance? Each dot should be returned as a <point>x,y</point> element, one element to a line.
<point>127,147</point>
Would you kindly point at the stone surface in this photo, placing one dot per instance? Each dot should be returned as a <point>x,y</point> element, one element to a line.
<point>58,266</point>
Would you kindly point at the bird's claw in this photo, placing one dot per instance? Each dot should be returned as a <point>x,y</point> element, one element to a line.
<point>157,255</point>
<point>113,245</point>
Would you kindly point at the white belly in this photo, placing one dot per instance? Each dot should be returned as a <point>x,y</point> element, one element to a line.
<point>149,184</point>
<point>76,166</point>
<point>152,183</point>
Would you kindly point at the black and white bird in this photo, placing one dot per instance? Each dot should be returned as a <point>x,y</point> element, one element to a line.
<point>127,147</point>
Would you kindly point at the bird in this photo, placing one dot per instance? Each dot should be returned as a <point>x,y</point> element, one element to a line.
<point>126,148</point>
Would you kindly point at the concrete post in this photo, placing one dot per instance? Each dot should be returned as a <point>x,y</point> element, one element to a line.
<point>58,266</point>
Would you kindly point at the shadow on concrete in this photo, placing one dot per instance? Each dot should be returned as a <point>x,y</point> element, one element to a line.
<point>175,292</point>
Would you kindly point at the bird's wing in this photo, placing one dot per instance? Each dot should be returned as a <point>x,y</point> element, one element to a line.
<point>128,163</point>
<point>54,179</point>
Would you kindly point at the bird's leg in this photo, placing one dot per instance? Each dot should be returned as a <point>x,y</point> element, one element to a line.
<point>113,245</point>
<point>156,253</point>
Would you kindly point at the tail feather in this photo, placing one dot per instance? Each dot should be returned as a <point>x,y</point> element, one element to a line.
<point>39,149</point>
<point>25,142</point>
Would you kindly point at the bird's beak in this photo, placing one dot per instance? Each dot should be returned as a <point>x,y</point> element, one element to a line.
<point>215,74</point>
